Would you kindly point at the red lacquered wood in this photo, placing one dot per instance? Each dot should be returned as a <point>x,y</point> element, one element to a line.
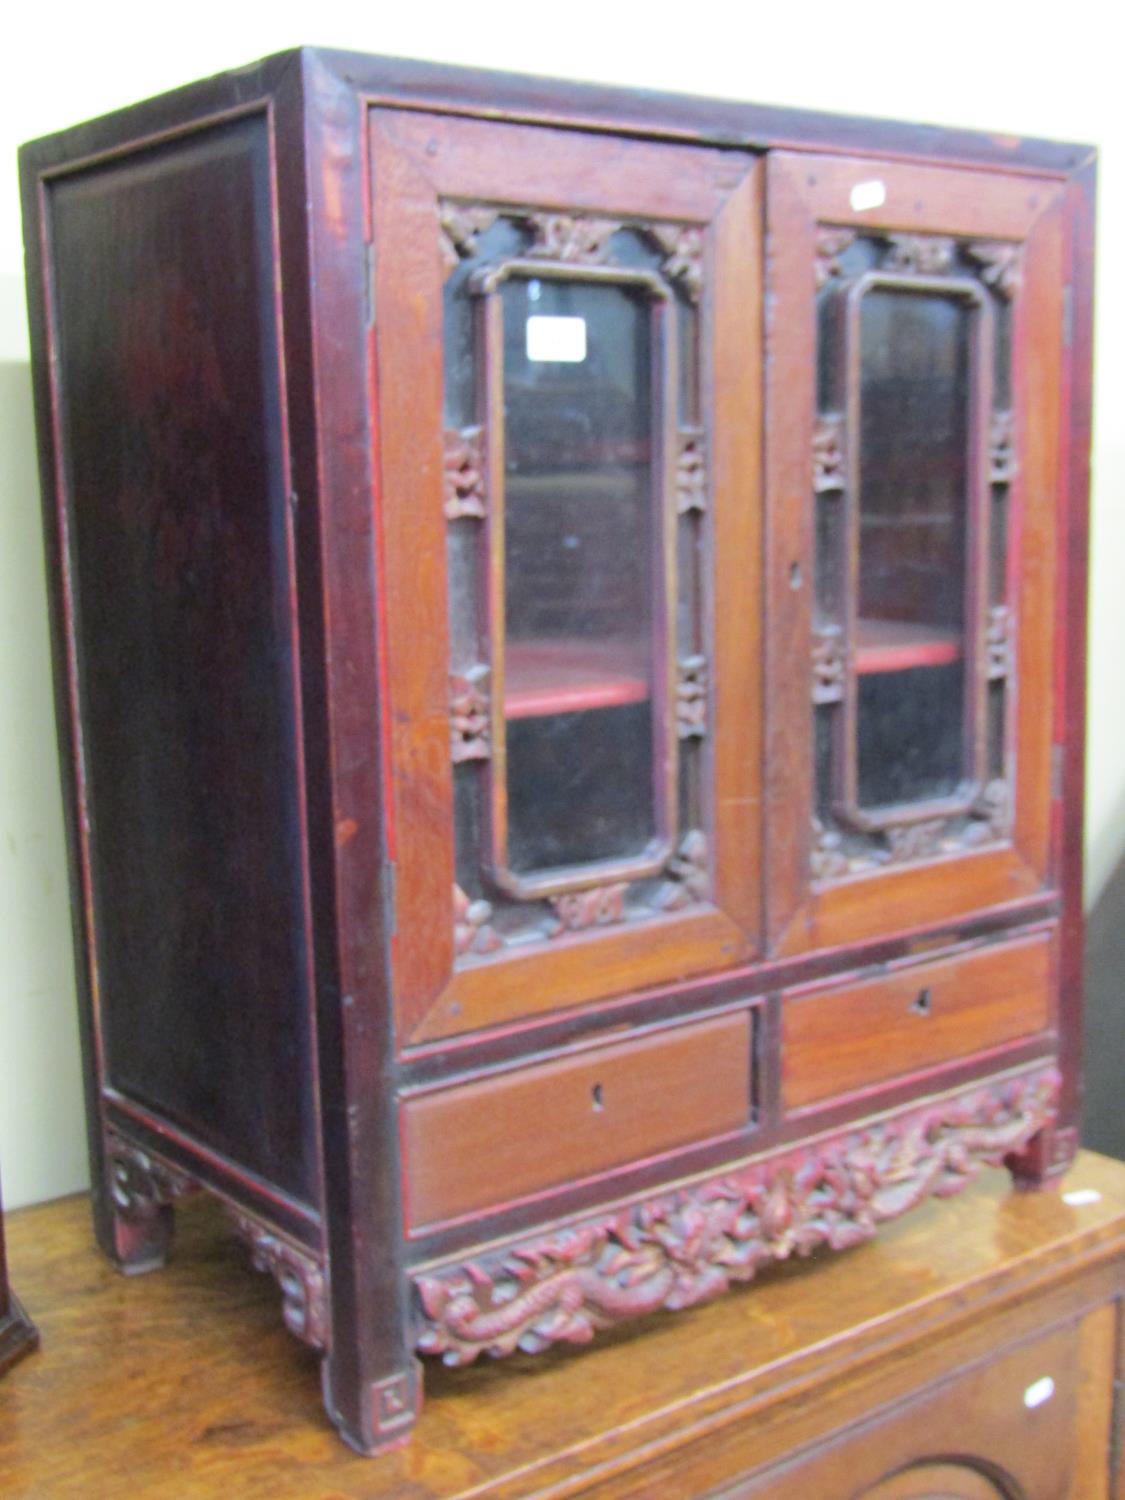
<point>898,646</point>
<point>560,677</point>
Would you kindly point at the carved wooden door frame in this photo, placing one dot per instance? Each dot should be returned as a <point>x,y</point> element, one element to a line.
<point>1015,227</point>
<point>419,164</point>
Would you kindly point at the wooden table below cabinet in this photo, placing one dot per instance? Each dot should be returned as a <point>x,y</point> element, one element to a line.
<point>835,1382</point>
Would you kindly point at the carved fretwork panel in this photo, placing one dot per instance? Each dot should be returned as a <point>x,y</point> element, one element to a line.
<point>1001,265</point>
<point>469,714</point>
<point>830,246</point>
<point>140,1184</point>
<point>301,1278</point>
<point>691,698</point>
<point>579,603</point>
<point>691,472</point>
<point>828,666</point>
<point>695,1241</point>
<point>464,474</point>
<point>828,454</point>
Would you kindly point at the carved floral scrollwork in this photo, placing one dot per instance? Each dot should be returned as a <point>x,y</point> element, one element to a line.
<point>472,929</point>
<point>461,224</point>
<point>686,880</point>
<point>469,715</point>
<point>830,245</point>
<point>828,665</point>
<point>1001,265</point>
<point>908,841</point>
<point>920,254</point>
<point>140,1185</point>
<point>691,698</point>
<point>1001,449</point>
<point>828,454</point>
<point>692,1243</point>
<point>998,642</point>
<point>464,492</point>
<point>571,237</point>
<point>691,472</point>
<point>994,808</point>
<point>577,911</point>
<point>304,1291</point>
<point>683,249</point>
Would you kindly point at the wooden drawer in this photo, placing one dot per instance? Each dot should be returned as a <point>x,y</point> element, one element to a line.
<point>500,1138</point>
<point>847,1037</point>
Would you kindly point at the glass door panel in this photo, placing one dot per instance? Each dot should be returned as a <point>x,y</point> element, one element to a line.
<point>910,553</point>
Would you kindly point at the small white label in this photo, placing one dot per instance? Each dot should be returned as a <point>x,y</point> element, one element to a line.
<point>1038,1392</point>
<point>1079,1197</point>
<point>868,195</point>
<point>561,341</point>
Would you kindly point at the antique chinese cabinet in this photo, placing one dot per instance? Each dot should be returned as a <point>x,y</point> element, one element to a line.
<point>569,621</point>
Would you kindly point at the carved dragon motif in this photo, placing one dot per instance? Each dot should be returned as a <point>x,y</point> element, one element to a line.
<point>691,1244</point>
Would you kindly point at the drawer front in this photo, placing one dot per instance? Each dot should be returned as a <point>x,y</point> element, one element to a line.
<point>850,1036</point>
<point>497,1139</point>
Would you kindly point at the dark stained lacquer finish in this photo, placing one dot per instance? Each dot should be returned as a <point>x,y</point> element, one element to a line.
<point>565,714</point>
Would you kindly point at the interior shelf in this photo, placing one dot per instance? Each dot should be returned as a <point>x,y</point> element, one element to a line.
<point>568,676</point>
<point>897,645</point>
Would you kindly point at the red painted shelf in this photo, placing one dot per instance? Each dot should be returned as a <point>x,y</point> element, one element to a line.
<point>897,645</point>
<point>567,676</point>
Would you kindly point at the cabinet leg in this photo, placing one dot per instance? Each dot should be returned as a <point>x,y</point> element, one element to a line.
<point>1045,1158</point>
<point>133,1214</point>
<point>374,1416</point>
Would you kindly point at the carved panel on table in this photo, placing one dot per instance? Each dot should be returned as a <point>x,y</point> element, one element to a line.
<point>692,1243</point>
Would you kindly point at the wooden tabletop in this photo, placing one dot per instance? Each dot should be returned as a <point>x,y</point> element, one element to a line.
<point>184,1384</point>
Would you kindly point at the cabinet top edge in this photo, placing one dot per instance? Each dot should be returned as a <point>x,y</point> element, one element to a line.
<point>321,73</point>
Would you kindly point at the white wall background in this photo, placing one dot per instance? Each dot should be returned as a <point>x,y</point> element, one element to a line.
<point>1016,66</point>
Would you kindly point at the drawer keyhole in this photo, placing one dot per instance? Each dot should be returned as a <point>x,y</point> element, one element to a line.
<point>596,1095</point>
<point>922,1004</point>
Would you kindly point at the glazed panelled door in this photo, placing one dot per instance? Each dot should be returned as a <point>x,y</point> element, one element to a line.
<point>915,336</point>
<point>570,522</point>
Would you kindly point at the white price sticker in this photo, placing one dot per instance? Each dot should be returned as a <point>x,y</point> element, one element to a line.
<point>560,341</point>
<point>868,195</point>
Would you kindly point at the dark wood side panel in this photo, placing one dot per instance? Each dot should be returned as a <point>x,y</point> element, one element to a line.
<point>500,1138</point>
<point>175,526</point>
<point>847,1037</point>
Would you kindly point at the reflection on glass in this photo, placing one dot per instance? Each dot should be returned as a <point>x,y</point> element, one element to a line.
<point>914,477</point>
<point>580,546</point>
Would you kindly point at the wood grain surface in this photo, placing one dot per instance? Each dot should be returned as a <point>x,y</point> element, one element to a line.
<point>184,1383</point>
